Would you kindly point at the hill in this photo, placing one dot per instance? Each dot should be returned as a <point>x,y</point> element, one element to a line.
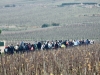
<point>20,17</point>
<point>25,13</point>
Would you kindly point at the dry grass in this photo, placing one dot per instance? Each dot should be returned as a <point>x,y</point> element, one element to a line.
<point>83,60</point>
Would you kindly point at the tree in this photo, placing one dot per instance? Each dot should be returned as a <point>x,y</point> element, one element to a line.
<point>45,25</point>
<point>55,24</point>
<point>0,31</point>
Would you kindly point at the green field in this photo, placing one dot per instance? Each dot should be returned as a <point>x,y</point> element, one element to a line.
<point>19,17</point>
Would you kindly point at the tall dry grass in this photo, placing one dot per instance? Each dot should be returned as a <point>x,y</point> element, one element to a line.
<point>82,60</point>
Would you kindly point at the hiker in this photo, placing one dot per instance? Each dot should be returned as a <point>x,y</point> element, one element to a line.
<point>71,43</point>
<point>43,46</point>
<point>32,47</point>
<point>6,50</point>
<point>76,43</point>
<point>11,49</point>
<point>53,45</point>
<point>56,45</point>
<point>17,48</point>
<point>46,45</point>
<point>39,45</point>
<point>49,45</point>
<point>91,41</point>
<point>87,42</point>
<point>0,51</point>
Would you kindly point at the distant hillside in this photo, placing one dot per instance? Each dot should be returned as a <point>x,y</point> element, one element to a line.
<point>23,20</point>
<point>38,12</point>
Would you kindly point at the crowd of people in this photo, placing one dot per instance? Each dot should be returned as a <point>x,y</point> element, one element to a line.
<point>44,45</point>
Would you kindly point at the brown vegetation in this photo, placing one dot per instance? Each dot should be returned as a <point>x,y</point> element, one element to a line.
<point>81,60</point>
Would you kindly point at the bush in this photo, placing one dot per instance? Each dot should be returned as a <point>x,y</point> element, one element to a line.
<point>10,5</point>
<point>55,24</point>
<point>45,25</point>
<point>13,5</point>
<point>7,5</point>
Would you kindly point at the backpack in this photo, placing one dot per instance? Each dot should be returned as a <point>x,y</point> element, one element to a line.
<point>16,47</point>
<point>32,48</point>
<point>6,50</point>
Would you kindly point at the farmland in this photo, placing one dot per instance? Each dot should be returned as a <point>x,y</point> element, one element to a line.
<point>54,33</point>
<point>23,19</point>
<point>80,60</point>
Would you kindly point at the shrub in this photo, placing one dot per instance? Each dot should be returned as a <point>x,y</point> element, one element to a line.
<point>10,5</point>
<point>7,5</point>
<point>45,25</point>
<point>55,24</point>
<point>13,5</point>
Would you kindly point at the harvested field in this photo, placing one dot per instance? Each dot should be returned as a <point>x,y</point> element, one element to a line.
<point>81,60</point>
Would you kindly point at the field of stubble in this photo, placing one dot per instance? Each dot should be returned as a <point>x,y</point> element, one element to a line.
<point>83,60</point>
